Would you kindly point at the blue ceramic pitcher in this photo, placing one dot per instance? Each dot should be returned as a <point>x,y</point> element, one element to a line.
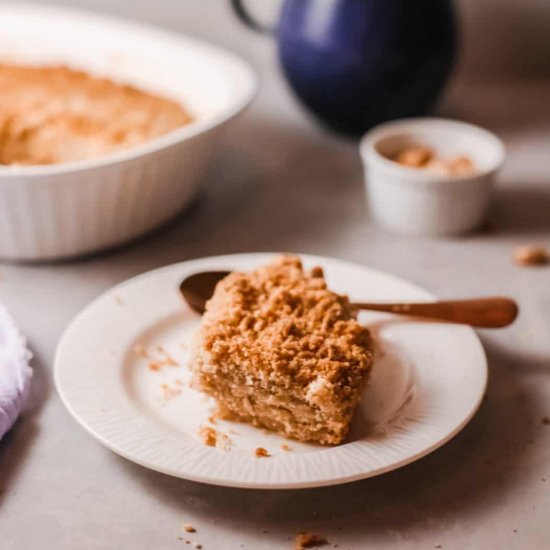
<point>356,63</point>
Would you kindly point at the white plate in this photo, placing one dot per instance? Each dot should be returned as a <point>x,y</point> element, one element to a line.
<point>428,381</point>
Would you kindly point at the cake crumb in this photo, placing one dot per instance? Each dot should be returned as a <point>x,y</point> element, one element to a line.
<point>169,392</point>
<point>286,447</point>
<point>139,349</point>
<point>198,546</point>
<point>209,436</point>
<point>531,256</point>
<point>212,419</point>
<point>167,358</point>
<point>308,540</point>
<point>188,528</point>
<point>260,452</point>
<point>157,360</point>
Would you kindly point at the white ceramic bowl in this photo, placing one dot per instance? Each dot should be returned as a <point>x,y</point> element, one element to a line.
<point>415,201</point>
<point>76,208</point>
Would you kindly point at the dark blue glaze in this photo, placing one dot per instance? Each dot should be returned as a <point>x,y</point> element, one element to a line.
<point>356,63</point>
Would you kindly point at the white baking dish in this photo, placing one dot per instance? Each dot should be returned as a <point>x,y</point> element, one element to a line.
<point>76,208</point>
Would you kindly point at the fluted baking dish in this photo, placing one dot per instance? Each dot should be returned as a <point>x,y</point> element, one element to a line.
<point>75,208</point>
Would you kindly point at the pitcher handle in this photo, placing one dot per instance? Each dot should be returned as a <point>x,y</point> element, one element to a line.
<point>245,17</point>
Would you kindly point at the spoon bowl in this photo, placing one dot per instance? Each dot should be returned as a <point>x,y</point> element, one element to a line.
<point>490,312</point>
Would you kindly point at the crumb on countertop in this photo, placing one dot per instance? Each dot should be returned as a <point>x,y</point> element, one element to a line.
<point>260,452</point>
<point>286,447</point>
<point>188,528</point>
<point>308,540</point>
<point>140,350</point>
<point>531,255</point>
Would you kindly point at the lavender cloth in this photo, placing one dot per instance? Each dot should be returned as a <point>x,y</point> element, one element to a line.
<point>15,372</point>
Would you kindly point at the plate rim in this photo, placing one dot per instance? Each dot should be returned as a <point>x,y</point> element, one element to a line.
<point>268,485</point>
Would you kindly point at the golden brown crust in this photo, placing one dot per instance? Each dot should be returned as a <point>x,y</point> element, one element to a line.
<point>57,114</point>
<point>282,319</point>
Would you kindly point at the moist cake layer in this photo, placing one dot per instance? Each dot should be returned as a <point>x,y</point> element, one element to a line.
<point>56,114</point>
<point>278,349</point>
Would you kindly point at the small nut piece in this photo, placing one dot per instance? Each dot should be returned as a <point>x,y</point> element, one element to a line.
<point>414,157</point>
<point>461,166</point>
<point>530,255</point>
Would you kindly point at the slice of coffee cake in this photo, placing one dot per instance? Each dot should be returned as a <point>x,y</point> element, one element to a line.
<point>277,349</point>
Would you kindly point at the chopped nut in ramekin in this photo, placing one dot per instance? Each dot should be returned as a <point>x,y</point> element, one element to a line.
<point>422,157</point>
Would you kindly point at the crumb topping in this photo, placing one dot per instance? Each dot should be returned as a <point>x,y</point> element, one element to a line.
<point>56,114</point>
<point>213,438</point>
<point>283,320</point>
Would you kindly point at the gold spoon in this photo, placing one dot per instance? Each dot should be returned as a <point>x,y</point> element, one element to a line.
<point>492,312</point>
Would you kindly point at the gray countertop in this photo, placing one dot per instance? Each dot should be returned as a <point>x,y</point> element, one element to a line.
<point>281,183</point>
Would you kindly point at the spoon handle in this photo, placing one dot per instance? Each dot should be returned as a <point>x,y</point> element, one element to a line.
<point>494,312</point>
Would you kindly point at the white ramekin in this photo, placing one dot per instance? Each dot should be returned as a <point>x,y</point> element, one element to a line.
<point>417,202</point>
<point>70,209</point>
